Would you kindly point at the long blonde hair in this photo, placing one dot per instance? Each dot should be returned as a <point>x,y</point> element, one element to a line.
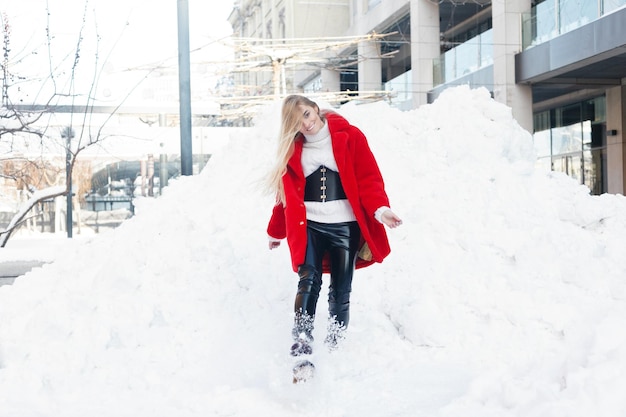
<point>291,123</point>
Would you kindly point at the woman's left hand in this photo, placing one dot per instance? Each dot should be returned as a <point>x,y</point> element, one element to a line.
<point>391,219</point>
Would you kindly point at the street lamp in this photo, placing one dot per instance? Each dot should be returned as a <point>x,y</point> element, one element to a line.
<point>68,134</point>
<point>184,88</point>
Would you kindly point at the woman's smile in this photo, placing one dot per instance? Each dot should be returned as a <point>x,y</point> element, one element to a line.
<point>311,121</point>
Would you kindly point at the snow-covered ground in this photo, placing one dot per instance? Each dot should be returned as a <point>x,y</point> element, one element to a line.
<point>504,294</point>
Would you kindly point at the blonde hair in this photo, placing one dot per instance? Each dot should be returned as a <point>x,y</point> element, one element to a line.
<point>291,123</point>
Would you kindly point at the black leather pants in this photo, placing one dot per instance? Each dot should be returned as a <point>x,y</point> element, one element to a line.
<point>341,242</point>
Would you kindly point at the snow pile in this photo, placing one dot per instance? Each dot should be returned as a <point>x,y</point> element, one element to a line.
<point>503,296</point>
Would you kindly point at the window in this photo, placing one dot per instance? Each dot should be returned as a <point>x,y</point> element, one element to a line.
<point>372,3</point>
<point>572,140</point>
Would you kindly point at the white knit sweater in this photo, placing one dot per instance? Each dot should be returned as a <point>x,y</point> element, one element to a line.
<point>317,150</point>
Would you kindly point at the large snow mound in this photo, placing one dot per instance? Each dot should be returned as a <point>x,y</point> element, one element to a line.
<point>504,294</point>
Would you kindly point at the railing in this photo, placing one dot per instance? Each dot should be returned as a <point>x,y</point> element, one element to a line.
<point>401,89</point>
<point>100,203</point>
<point>552,18</point>
<point>464,59</point>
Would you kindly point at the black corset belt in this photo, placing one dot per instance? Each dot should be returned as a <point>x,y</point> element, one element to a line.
<point>323,185</point>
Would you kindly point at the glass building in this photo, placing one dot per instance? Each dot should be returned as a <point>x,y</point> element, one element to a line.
<point>559,64</point>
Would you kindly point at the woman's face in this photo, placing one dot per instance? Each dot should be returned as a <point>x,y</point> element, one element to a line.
<point>311,121</point>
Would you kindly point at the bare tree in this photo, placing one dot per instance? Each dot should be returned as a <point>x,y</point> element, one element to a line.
<point>19,122</point>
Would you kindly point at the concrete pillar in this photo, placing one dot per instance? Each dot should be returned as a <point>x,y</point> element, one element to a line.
<point>507,41</point>
<point>425,47</point>
<point>331,80</point>
<point>59,202</point>
<point>615,149</point>
<point>370,70</point>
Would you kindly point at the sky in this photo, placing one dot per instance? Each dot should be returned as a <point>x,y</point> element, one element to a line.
<point>120,39</point>
<point>136,46</point>
<point>504,294</point>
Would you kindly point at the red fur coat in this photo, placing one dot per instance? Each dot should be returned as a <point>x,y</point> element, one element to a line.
<point>362,182</point>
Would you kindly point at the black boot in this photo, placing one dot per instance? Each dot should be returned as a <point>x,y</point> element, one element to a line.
<point>301,347</point>
<point>339,317</point>
<point>303,327</point>
<point>302,335</point>
<point>309,287</point>
<point>335,334</point>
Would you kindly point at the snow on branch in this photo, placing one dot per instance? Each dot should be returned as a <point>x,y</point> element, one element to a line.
<point>37,196</point>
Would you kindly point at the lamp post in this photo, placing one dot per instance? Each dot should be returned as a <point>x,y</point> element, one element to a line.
<point>162,170</point>
<point>184,88</point>
<point>68,134</point>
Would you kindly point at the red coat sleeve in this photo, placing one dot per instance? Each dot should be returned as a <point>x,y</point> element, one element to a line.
<point>276,227</point>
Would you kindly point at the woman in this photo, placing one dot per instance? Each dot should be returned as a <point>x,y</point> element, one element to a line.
<point>331,207</point>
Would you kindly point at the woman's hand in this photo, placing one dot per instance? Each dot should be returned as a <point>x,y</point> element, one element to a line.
<point>273,244</point>
<point>390,219</point>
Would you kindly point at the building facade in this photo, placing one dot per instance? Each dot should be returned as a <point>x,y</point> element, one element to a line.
<point>559,64</point>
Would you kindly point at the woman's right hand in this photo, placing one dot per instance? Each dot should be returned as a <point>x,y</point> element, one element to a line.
<point>273,244</point>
